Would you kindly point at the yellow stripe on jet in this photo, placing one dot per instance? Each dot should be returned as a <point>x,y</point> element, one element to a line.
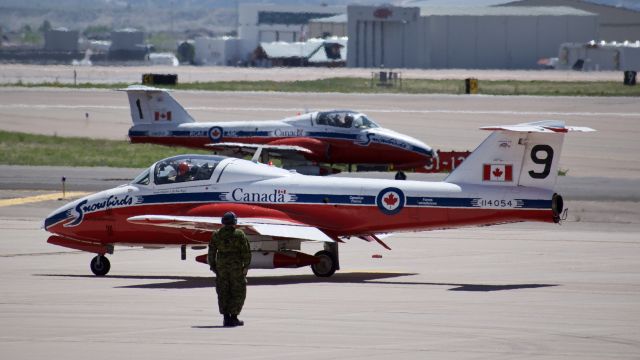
<point>38,198</point>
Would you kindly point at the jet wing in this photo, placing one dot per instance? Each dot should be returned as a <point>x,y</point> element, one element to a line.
<point>259,226</point>
<point>277,150</point>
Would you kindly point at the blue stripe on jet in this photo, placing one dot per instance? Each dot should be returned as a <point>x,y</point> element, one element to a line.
<point>414,201</point>
<point>314,199</point>
<point>332,135</point>
<point>55,219</point>
<point>156,133</point>
<point>439,202</point>
<point>535,204</point>
<point>334,199</point>
<point>179,198</point>
<point>423,151</point>
<point>246,133</point>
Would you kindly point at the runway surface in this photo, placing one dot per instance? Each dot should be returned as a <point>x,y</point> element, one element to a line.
<point>442,121</point>
<point>515,291</point>
<point>14,73</point>
<point>533,291</point>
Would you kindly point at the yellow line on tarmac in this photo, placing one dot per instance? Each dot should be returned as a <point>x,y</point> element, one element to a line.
<point>44,197</point>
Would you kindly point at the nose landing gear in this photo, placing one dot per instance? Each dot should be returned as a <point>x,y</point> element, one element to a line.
<point>400,175</point>
<point>100,265</point>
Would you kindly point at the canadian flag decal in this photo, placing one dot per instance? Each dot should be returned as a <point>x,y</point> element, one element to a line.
<point>497,172</point>
<point>159,115</point>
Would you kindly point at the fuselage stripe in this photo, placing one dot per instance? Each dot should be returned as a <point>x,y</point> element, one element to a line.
<point>239,136</point>
<point>316,199</point>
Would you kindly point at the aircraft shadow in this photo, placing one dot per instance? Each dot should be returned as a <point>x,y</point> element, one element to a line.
<point>380,278</point>
<point>209,327</point>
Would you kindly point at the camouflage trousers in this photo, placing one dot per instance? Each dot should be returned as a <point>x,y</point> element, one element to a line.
<point>231,287</point>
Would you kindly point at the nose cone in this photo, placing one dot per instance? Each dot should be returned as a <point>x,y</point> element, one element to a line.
<point>406,141</point>
<point>67,219</point>
<point>65,216</point>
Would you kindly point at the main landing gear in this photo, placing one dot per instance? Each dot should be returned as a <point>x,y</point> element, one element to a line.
<point>328,263</point>
<point>326,266</point>
<point>100,265</point>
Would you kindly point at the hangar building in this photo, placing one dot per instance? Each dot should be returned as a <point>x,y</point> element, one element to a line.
<point>61,39</point>
<point>498,37</point>
<point>615,23</point>
<point>258,23</point>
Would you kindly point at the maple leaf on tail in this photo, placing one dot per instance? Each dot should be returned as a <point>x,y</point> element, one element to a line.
<point>497,172</point>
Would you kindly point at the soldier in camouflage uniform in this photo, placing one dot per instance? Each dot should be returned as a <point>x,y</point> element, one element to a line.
<point>229,257</point>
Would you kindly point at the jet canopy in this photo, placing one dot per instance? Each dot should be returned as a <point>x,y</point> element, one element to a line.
<point>177,169</point>
<point>345,119</point>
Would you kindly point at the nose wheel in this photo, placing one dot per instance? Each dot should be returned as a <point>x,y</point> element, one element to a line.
<point>400,175</point>
<point>100,265</point>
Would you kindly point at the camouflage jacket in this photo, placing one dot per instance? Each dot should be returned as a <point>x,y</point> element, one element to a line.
<point>229,249</point>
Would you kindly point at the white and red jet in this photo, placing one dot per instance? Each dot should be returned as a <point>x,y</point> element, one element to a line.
<point>179,201</point>
<point>302,142</point>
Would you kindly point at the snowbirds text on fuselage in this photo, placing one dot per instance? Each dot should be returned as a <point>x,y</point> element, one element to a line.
<point>302,142</point>
<point>179,202</point>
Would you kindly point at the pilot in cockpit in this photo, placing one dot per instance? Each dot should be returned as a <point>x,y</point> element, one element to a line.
<point>184,172</point>
<point>348,120</point>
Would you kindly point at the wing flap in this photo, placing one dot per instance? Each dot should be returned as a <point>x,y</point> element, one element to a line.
<point>292,231</point>
<point>245,147</point>
<point>260,226</point>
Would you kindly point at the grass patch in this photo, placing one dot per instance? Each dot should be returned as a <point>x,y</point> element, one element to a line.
<point>28,149</point>
<point>409,86</point>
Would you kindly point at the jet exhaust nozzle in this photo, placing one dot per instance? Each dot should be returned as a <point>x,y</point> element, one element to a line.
<point>557,206</point>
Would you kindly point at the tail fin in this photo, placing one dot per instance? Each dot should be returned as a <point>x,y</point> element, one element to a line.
<point>516,155</point>
<point>152,105</point>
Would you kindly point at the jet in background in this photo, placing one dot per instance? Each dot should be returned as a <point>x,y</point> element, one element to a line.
<point>308,143</point>
<point>179,201</point>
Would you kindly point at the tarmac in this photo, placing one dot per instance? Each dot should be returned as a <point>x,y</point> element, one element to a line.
<point>68,74</point>
<point>528,290</point>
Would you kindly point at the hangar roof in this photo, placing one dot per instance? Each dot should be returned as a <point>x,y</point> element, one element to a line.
<point>622,4</point>
<point>340,18</point>
<point>502,11</point>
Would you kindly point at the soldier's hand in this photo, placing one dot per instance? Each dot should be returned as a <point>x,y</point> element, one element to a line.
<point>245,271</point>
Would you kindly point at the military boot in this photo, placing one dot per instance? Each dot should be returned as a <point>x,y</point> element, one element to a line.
<point>227,321</point>
<point>235,321</point>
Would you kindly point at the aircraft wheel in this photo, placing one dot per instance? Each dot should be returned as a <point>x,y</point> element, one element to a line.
<point>100,265</point>
<point>327,265</point>
<point>400,175</point>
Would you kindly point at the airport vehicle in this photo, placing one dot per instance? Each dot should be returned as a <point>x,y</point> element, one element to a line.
<point>308,143</point>
<point>179,201</point>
